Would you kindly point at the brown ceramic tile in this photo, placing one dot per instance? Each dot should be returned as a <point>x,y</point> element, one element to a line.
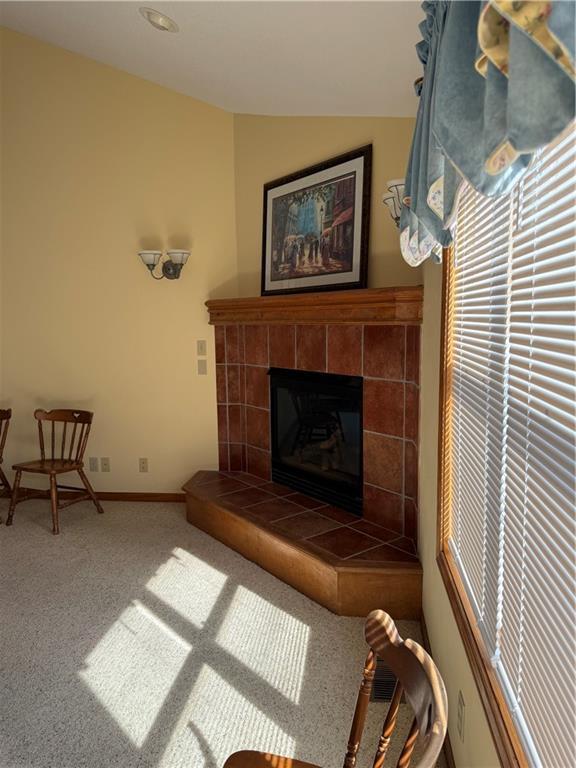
<point>404,543</point>
<point>257,386</point>
<point>221,391</point>
<point>410,469</point>
<point>205,476</point>
<point>413,353</point>
<point>235,457</point>
<point>235,424</point>
<point>219,487</point>
<point>277,489</point>
<point>383,508</point>
<point>344,542</point>
<point>384,407</point>
<point>233,378</point>
<point>249,479</point>
<point>385,553</point>
<point>410,519</point>
<point>306,501</point>
<point>246,497</point>
<point>258,462</point>
<point>282,345</point>
<point>244,458</point>
<point>256,344</point>
<point>340,515</point>
<point>223,463</point>
<point>311,347</point>
<point>222,413</point>
<point>383,461</point>
<point>345,349</point>
<point>233,344</point>
<point>371,529</point>
<point>384,351</point>
<point>304,525</point>
<point>275,509</point>
<point>220,343</point>
<point>258,428</point>
<point>412,398</point>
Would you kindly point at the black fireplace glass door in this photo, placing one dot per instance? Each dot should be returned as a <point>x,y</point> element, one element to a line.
<point>316,421</point>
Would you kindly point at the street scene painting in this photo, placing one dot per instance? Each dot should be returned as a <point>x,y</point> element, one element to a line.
<point>313,230</point>
<point>316,226</point>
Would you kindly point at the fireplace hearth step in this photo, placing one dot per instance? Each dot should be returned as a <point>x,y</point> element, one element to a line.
<point>347,564</point>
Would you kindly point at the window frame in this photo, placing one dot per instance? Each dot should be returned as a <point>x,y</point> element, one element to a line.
<point>506,739</point>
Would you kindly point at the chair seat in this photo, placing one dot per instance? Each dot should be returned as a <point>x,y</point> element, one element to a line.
<point>49,466</point>
<point>264,760</point>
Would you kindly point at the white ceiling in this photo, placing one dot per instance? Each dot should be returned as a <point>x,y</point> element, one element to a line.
<point>270,57</point>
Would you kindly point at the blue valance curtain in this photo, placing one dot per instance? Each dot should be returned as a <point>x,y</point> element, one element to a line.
<point>498,85</point>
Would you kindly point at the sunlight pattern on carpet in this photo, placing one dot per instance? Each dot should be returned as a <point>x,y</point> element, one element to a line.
<point>218,720</point>
<point>188,585</point>
<point>268,640</point>
<point>133,667</point>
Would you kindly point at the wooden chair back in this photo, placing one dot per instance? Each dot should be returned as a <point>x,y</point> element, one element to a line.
<point>420,682</point>
<point>67,433</point>
<point>5,416</point>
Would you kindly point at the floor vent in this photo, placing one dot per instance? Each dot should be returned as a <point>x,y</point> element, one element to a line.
<point>384,683</point>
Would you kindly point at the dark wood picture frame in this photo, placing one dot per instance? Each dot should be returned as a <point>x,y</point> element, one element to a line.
<point>362,217</point>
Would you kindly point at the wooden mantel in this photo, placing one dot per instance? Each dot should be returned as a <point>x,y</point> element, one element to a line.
<point>375,306</point>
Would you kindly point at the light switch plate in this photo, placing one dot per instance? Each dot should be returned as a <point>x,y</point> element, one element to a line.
<point>93,464</point>
<point>202,368</point>
<point>201,347</point>
<point>105,464</point>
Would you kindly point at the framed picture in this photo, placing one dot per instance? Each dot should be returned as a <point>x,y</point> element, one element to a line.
<point>316,226</point>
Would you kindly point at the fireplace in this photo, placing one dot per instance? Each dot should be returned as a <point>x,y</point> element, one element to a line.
<point>316,435</point>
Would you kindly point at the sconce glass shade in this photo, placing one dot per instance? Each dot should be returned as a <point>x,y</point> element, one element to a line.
<point>150,258</point>
<point>393,199</point>
<point>178,257</point>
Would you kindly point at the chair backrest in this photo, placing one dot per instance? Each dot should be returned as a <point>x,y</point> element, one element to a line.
<point>418,678</point>
<point>70,444</point>
<point>5,416</point>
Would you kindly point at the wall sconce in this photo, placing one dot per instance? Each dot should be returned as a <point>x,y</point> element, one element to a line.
<point>171,266</point>
<point>393,198</point>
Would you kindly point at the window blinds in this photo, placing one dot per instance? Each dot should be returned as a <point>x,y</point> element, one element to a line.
<point>512,441</point>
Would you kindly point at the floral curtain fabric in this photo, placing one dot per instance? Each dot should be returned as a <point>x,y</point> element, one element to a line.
<point>498,85</point>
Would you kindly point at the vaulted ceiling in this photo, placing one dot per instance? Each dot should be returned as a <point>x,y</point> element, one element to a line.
<point>307,57</point>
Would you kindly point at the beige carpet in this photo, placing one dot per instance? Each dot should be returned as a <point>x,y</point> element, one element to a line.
<point>133,639</point>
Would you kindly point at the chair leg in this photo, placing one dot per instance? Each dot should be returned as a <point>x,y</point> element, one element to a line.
<point>4,481</point>
<point>54,503</point>
<point>90,491</point>
<point>14,497</point>
<point>4,484</point>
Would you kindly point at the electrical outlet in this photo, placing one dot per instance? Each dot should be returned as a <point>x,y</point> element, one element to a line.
<point>143,465</point>
<point>105,464</point>
<point>93,464</point>
<point>202,368</point>
<point>201,347</point>
<point>461,716</point>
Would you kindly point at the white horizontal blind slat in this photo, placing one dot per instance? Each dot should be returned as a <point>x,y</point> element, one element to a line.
<point>513,447</point>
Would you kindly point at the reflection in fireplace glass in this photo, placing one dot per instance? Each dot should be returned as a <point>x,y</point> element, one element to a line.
<point>317,435</point>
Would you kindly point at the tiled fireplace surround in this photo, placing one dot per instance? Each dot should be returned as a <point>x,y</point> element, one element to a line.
<point>387,356</point>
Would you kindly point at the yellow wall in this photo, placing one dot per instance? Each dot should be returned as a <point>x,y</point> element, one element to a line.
<point>97,164</point>
<point>270,147</point>
<point>477,749</point>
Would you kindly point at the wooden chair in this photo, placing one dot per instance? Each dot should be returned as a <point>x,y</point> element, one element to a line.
<point>66,455</point>
<point>5,416</point>
<point>419,680</point>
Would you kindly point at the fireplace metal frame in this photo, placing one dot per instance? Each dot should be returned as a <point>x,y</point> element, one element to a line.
<point>330,492</point>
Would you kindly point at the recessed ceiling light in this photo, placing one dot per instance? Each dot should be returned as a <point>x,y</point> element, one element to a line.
<point>159,20</point>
